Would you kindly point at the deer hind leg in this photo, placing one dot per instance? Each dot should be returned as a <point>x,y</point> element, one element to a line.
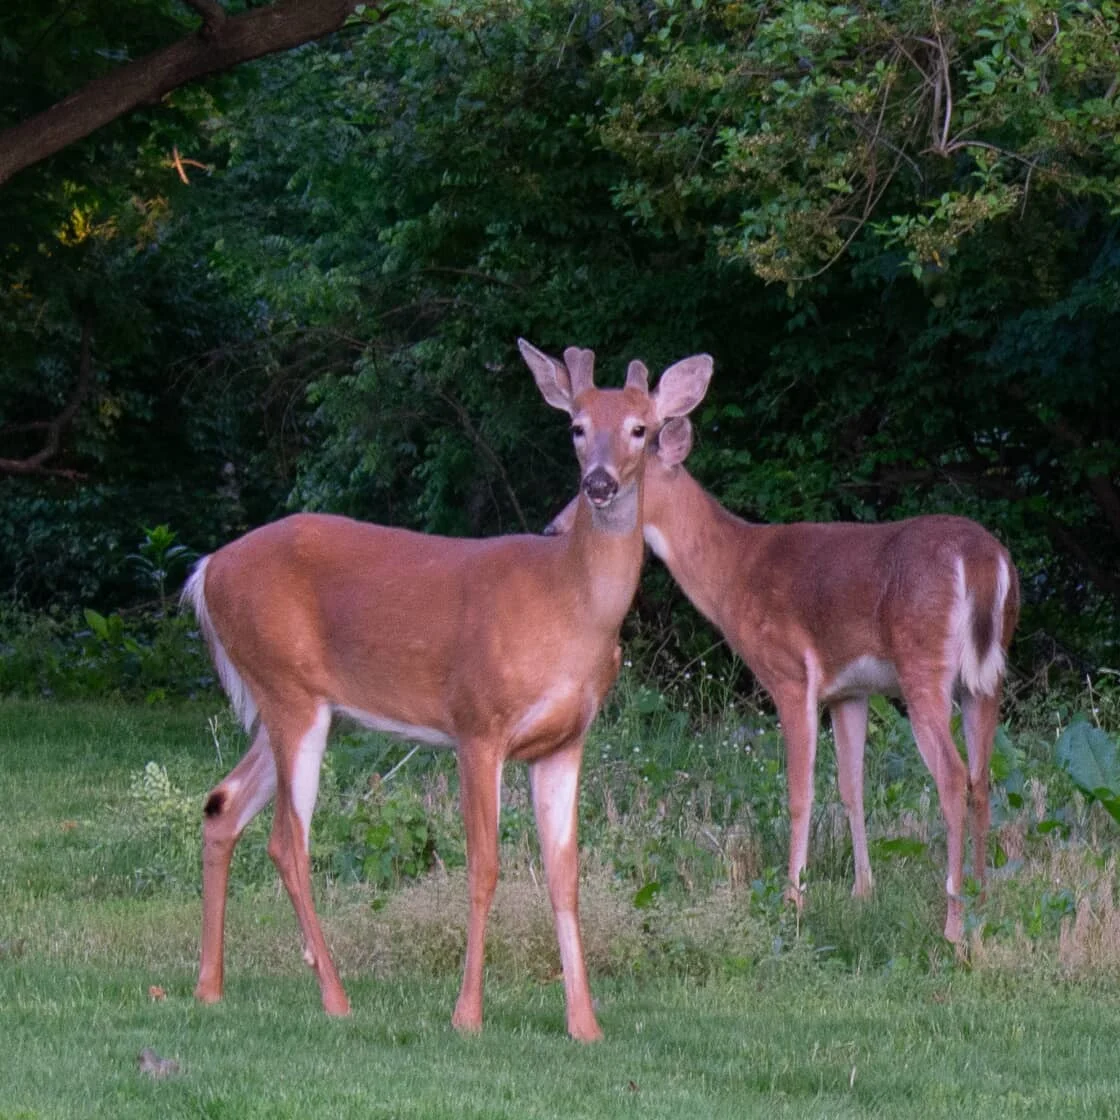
<point>299,742</point>
<point>930,710</point>
<point>980,715</point>
<point>229,807</point>
<point>849,725</point>
<point>555,784</point>
<point>480,775</point>
<point>797,710</point>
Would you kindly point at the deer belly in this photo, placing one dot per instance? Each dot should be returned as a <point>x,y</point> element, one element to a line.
<point>432,736</point>
<point>865,676</point>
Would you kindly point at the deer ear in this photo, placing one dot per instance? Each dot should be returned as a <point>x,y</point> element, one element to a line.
<point>581,369</point>
<point>674,441</point>
<point>550,375</point>
<point>682,386</point>
<point>562,523</point>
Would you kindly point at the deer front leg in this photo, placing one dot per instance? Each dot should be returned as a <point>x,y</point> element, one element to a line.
<point>555,784</point>
<point>480,776</point>
<point>849,726</point>
<point>797,709</point>
<point>229,807</point>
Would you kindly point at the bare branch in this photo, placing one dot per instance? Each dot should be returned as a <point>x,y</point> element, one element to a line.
<point>872,200</point>
<point>55,428</point>
<point>181,163</point>
<point>1054,22</point>
<point>490,453</point>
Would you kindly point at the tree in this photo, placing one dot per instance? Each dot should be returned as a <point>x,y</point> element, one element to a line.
<point>129,378</point>
<point>911,303</point>
<point>222,42</point>
<point>936,188</point>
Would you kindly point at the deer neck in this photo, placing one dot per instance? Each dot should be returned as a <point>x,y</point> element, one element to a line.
<point>606,544</point>
<point>701,543</point>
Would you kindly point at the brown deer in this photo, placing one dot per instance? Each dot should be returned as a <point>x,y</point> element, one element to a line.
<point>500,648</point>
<point>831,614</point>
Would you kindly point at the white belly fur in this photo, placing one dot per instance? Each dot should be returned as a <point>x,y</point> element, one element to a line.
<point>865,676</point>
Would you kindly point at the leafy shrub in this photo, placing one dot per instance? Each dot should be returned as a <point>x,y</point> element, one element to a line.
<point>1089,755</point>
<point>684,831</point>
<point>389,837</point>
<point>32,652</point>
<point>160,559</point>
<point>167,824</point>
<point>149,656</point>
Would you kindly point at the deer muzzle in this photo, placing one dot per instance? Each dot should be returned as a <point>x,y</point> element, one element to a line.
<point>600,486</point>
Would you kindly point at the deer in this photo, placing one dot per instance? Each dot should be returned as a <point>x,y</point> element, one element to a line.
<point>830,614</point>
<point>500,648</point>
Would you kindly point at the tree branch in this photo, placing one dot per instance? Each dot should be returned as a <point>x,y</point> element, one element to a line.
<point>213,15</point>
<point>37,463</point>
<point>490,453</point>
<point>223,42</point>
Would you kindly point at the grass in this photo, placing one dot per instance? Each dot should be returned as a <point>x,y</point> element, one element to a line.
<point>712,1003</point>
<point>847,1047</point>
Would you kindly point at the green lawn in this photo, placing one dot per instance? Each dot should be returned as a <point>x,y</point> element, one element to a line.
<point>83,939</point>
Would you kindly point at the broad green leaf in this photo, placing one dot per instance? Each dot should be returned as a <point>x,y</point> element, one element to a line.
<point>1089,755</point>
<point>98,623</point>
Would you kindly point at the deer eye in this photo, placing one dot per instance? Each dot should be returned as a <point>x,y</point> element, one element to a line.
<point>577,431</point>
<point>638,431</point>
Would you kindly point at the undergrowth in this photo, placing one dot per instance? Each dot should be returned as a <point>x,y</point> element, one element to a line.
<point>684,832</point>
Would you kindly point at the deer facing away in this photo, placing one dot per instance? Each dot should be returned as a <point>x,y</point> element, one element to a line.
<point>831,614</point>
<point>501,648</point>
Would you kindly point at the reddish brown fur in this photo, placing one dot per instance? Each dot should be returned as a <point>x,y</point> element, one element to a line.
<point>504,648</point>
<point>805,605</point>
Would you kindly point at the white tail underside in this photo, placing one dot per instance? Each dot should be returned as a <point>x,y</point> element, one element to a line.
<point>979,672</point>
<point>194,592</point>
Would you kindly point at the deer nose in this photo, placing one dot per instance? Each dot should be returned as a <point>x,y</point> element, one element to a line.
<point>600,486</point>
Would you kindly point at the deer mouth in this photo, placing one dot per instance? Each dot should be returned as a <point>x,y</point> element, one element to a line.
<point>600,487</point>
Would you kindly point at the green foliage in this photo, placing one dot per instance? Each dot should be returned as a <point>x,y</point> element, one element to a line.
<point>139,656</point>
<point>1090,756</point>
<point>388,837</point>
<point>801,129</point>
<point>894,228</point>
<point>149,653</point>
<point>161,559</point>
<point>101,240</point>
<point>165,822</point>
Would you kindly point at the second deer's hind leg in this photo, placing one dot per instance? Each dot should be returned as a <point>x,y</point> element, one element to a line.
<point>849,727</point>
<point>229,807</point>
<point>980,716</point>
<point>930,708</point>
